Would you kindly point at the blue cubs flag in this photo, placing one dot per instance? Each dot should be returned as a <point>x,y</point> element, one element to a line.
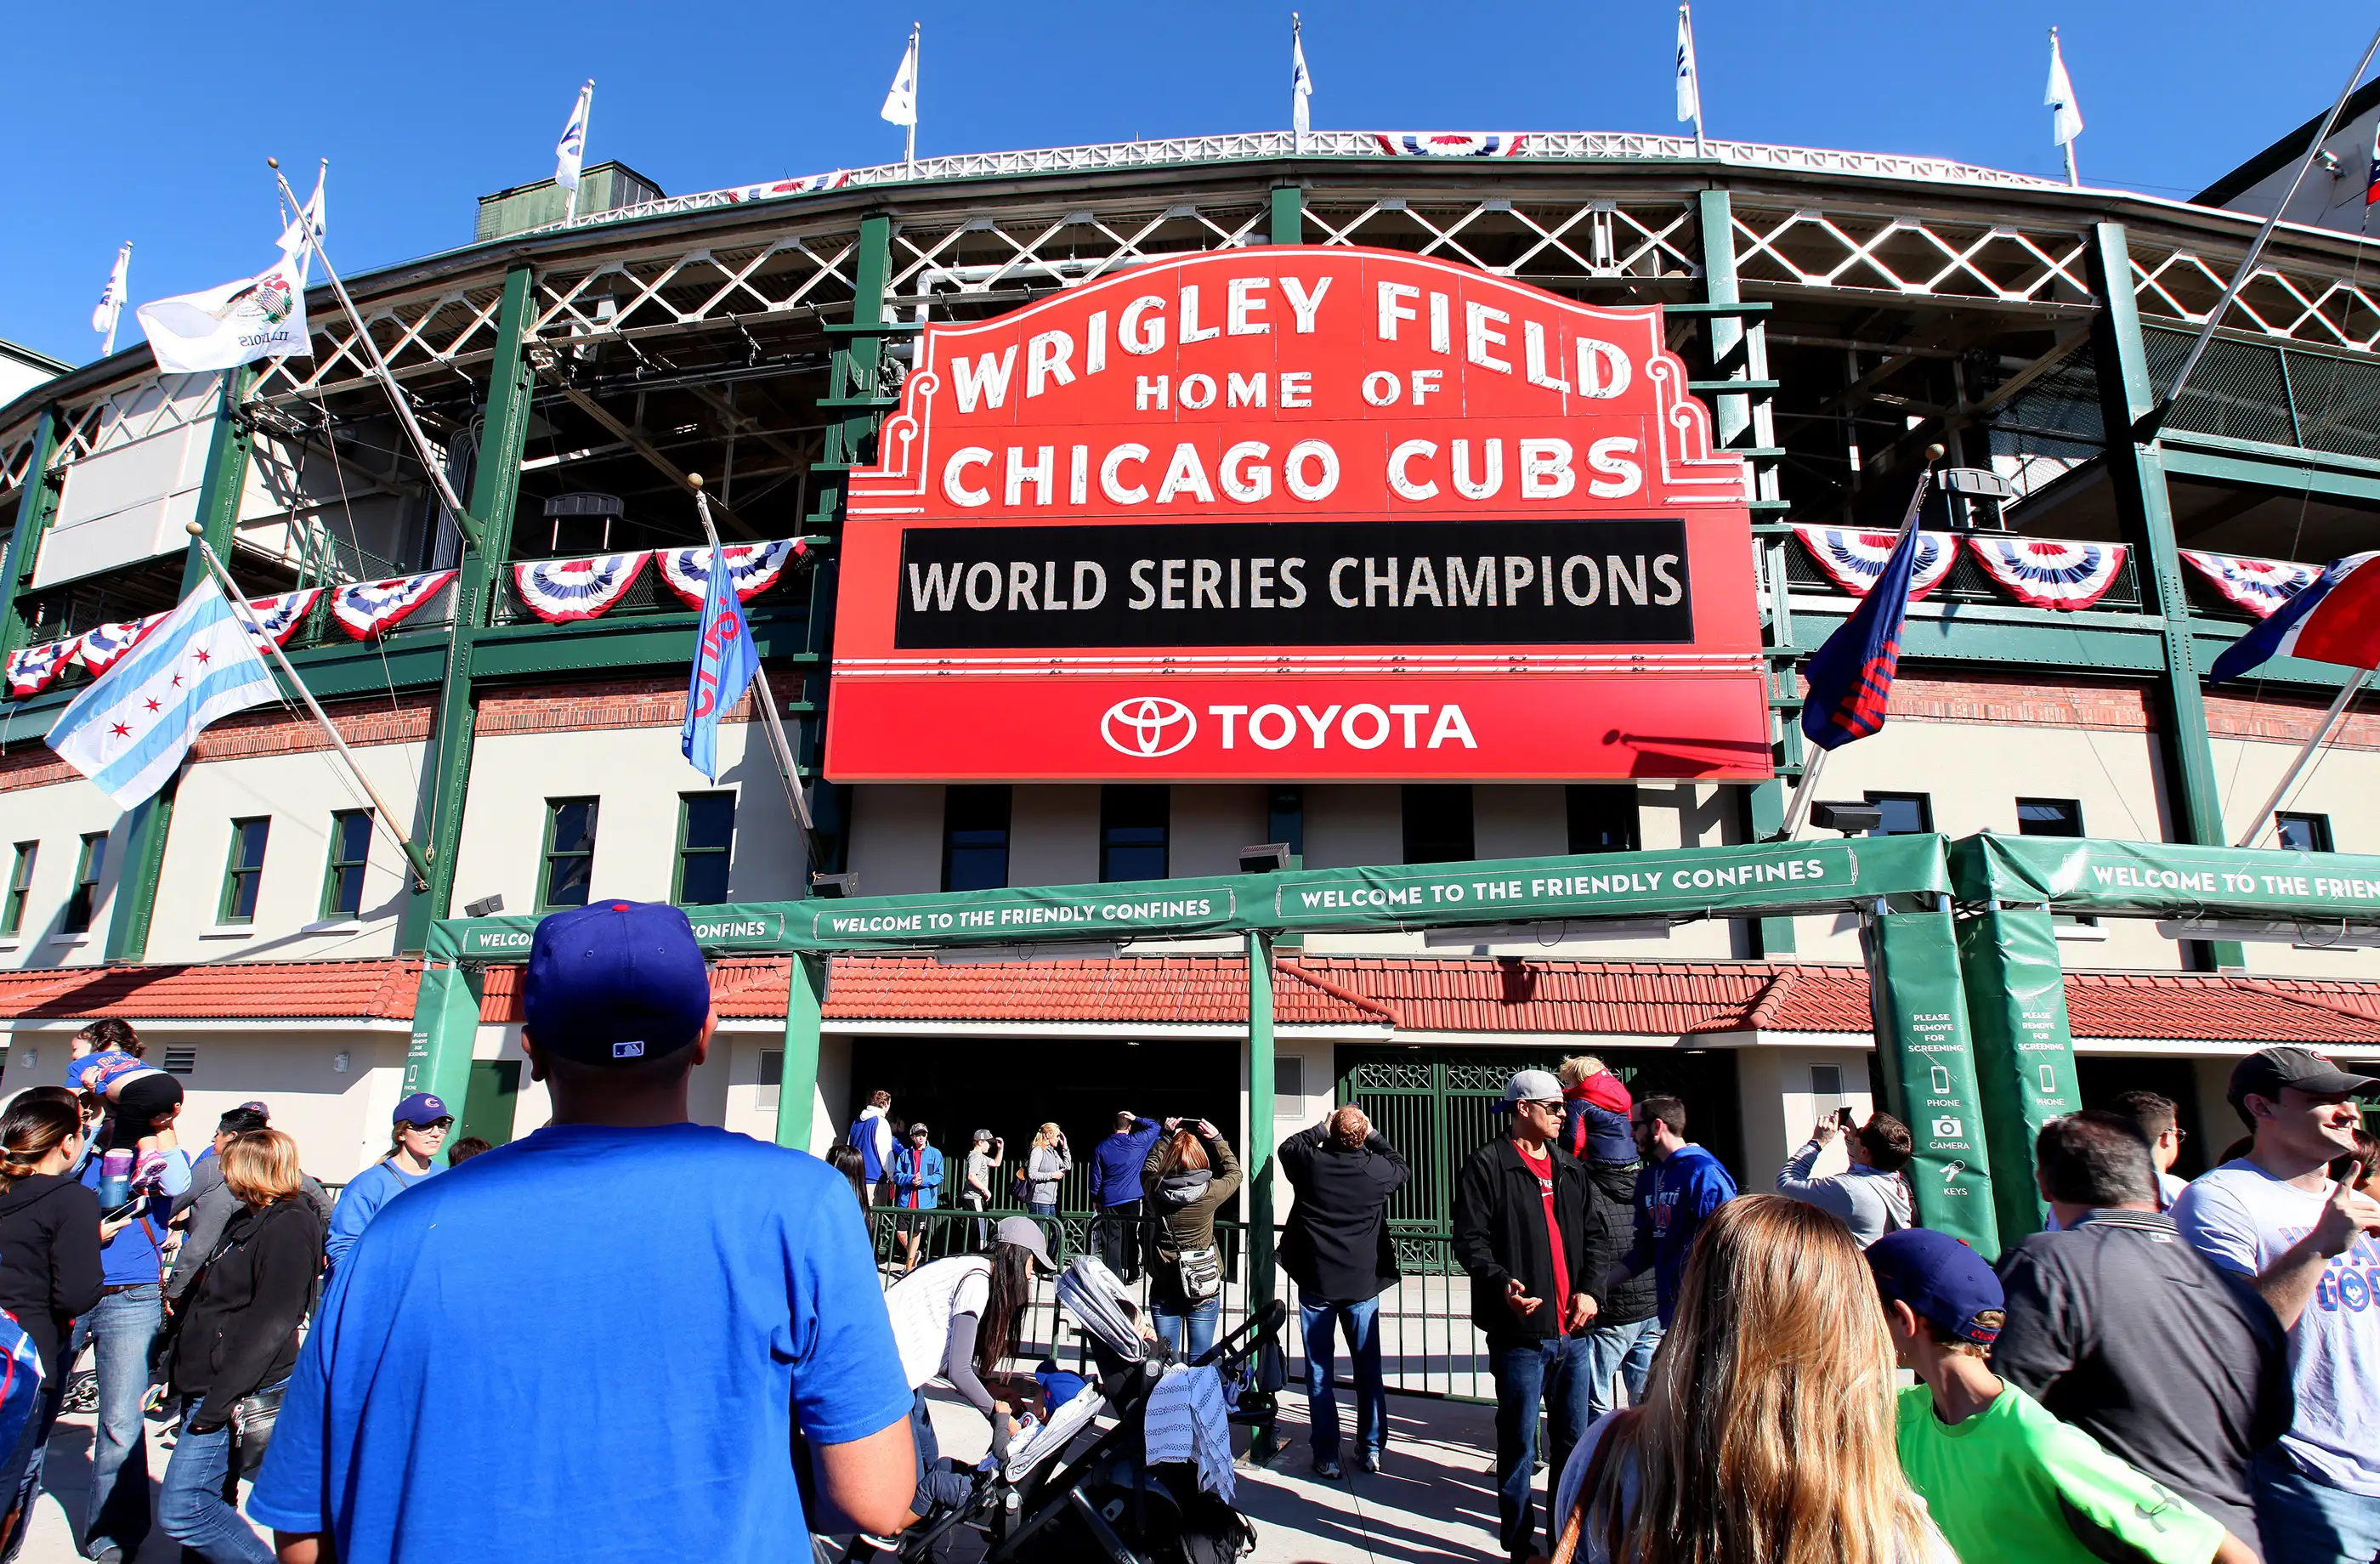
<point>1850,677</point>
<point>2335,618</point>
<point>724,661</point>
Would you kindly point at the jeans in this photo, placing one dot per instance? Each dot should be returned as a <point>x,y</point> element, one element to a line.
<point>1321,1322</point>
<point>937,1484</point>
<point>1038,1209</point>
<point>2305,1521</point>
<point>1552,1373</point>
<point>1120,1239</point>
<point>124,1324</point>
<point>1626,1351</point>
<point>20,1479</point>
<point>192,1507</point>
<point>1201,1318</point>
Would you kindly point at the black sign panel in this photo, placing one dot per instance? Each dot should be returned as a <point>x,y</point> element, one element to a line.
<point>1258,584</point>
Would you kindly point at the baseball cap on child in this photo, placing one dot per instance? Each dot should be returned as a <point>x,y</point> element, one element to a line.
<point>1944,1282</point>
<point>615,982</point>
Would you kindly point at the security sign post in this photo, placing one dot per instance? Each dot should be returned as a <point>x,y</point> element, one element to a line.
<point>1334,514</point>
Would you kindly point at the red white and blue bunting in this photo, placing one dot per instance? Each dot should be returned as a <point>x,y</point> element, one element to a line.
<point>754,566</point>
<point>2260,586</point>
<point>1853,561</point>
<point>803,185</point>
<point>99,649</point>
<point>2046,573</point>
<point>367,608</point>
<point>279,617</point>
<point>559,591</point>
<point>1449,143</point>
<point>33,670</point>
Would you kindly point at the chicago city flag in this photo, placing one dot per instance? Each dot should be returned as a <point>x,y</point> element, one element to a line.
<point>724,661</point>
<point>129,730</point>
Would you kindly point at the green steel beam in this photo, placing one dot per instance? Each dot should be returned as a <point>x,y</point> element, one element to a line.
<point>224,481</point>
<point>661,642</point>
<point>2105,643</point>
<point>1263,1110</point>
<point>797,1080</point>
<point>2126,396</point>
<point>495,485</point>
<point>2236,462</point>
<point>37,506</point>
<point>1288,216</point>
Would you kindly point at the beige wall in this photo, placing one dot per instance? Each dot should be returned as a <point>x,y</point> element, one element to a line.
<point>2344,786</point>
<point>56,816</point>
<point>1773,1088</point>
<point>897,839</point>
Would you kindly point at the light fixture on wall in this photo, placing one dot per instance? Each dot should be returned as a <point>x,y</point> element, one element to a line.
<point>486,906</point>
<point>32,1058</point>
<point>339,1062</point>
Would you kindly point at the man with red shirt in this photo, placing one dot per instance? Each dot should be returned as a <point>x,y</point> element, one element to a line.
<point>1526,1229</point>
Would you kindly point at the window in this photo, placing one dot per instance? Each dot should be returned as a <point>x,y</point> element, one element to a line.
<point>1905,814</point>
<point>1133,822</point>
<point>772,1078</point>
<point>2056,816</point>
<point>84,899</point>
<point>243,871</point>
<point>2301,833</point>
<point>1289,1078</point>
<point>706,829</point>
<point>1602,820</point>
<point>569,853</point>
<point>342,881</point>
<point>1438,823</point>
<point>20,885</point>
<point>974,837</point>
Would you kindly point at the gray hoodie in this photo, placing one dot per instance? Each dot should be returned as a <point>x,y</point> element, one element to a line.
<point>1870,1203</point>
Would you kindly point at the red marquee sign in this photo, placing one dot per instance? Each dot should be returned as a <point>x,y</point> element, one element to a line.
<point>1298,513</point>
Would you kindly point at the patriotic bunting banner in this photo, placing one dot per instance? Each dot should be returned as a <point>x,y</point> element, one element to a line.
<point>35,669</point>
<point>279,617</point>
<point>802,186</point>
<point>100,648</point>
<point>558,590</point>
<point>367,608</point>
<point>754,568</point>
<point>1449,143</point>
<point>2259,586</point>
<point>2045,573</point>
<point>1853,561</point>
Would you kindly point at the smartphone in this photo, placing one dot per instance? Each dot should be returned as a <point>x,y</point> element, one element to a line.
<point>122,1211</point>
<point>1845,1117</point>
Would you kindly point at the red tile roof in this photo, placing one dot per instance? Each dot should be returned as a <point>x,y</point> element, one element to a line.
<point>2210,1008</point>
<point>369,991</point>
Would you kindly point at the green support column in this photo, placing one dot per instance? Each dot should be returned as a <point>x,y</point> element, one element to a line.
<point>2125,395</point>
<point>1263,1086</point>
<point>495,485</point>
<point>1764,803</point>
<point>1288,216</point>
<point>1925,1047</point>
<point>141,858</point>
<point>37,506</point>
<point>2024,1052</point>
<point>798,1081</point>
<point>445,1024</point>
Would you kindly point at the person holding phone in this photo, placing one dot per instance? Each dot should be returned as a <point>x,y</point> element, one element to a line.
<point>1870,1195</point>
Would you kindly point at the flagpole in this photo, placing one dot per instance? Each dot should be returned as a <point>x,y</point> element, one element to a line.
<point>446,495</point>
<point>781,751</point>
<point>247,616</point>
<point>909,161</point>
<point>2263,820</point>
<point>2154,419</point>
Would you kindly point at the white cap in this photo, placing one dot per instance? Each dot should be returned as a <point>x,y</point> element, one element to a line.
<point>1532,1085</point>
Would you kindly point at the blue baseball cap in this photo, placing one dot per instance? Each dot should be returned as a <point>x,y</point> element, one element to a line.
<point>615,982</point>
<point>1944,1282</point>
<point>421,1107</point>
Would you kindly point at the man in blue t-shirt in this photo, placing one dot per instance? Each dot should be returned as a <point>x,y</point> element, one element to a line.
<point>1681,1185</point>
<point>598,1341</point>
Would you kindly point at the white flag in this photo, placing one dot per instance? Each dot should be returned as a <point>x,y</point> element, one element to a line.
<point>1689,92</point>
<point>111,299</point>
<point>901,102</point>
<point>2066,121</point>
<point>132,726</point>
<point>569,152</point>
<point>259,317</point>
<point>1301,81</point>
<point>307,229</point>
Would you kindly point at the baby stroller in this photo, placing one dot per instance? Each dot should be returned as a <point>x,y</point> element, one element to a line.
<point>1072,1492</point>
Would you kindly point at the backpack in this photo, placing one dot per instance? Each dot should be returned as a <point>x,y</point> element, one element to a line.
<point>20,1377</point>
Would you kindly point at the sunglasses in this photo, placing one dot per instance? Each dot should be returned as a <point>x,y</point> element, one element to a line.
<point>445,1124</point>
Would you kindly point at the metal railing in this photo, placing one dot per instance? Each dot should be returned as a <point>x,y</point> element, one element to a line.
<point>1428,1345</point>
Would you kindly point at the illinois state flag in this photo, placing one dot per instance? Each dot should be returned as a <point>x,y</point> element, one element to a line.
<point>129,730</point>
<point>724,661</point>
<point>1850,677</point>
<point>2334,618</point>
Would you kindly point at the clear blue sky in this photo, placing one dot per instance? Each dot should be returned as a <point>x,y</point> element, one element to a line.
<point>151,121</point>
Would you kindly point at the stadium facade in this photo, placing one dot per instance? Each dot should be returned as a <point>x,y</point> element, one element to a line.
<point>1831,315</point>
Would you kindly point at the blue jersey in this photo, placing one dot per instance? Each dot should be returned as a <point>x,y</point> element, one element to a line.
<point>1672,1197</point>
<point>592,1342</point>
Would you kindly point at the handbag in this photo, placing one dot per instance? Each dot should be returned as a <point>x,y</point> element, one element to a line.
<point>252,1417</point>
<point>1201,1273</point>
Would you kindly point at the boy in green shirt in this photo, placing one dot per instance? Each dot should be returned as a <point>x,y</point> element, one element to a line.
<point>2003,1478</point>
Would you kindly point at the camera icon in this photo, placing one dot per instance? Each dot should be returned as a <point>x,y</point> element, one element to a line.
<point>1948,1127</point>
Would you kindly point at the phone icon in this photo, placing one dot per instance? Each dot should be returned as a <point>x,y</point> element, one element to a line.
<point>2048,1080</point>
<point>1941,1078</point>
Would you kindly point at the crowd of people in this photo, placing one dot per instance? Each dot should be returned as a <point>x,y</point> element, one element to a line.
<point>2181,1373</point>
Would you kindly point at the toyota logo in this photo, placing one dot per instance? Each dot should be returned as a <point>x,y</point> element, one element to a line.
<point>1145,726</point>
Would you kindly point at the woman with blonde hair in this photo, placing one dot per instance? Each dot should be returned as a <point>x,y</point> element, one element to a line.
<point>1766,1434</point>
<point>234,1344</point>
<point>1046,1167</point>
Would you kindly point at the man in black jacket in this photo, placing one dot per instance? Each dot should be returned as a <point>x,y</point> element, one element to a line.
<point>1528,1230</point>
<point>1337,1249</point>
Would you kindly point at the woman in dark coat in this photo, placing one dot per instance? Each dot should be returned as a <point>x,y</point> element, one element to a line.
<point>237,1339</point>
<point>49,1269</point>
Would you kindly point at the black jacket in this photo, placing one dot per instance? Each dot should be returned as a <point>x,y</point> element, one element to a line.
<point>1634,1300</point>
<point>49,1259</point>
<point>1337,1246</point>
<point>239,1332</point>
<point>1499,1234</point>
